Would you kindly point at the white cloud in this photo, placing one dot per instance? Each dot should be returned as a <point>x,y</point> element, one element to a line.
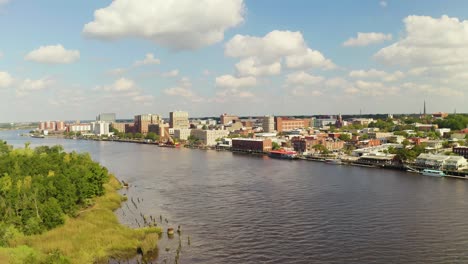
<point>176,24</point>
<point>117,71</point>
<point>365,39</point>
<point>120,85</point>
<point>184,89</point>
<point>421,88</point>
<point>376,74</point>
<point>53,54</point>
<point>173,73</point>
<point>311,59</point>
<point>266,53</point>
<point>251,67</point>
<point>372,89</point>
<point>383,4</point>
<point>179,91</point>
<point>148,60</point>
<point>229,81</point>
<point>6,80</point>
<point>27,86</point>
<point>303,79</point>
<point>143,99</point>
<point>3,2</point>
<point>429,42</point>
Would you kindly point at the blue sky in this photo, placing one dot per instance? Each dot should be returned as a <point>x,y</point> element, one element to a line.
<point>74,59</point>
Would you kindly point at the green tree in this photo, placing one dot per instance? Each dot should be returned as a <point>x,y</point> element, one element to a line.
<point>344,137</point>
<point>276,146</point>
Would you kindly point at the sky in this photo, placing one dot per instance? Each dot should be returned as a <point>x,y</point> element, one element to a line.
<point>68,60</point>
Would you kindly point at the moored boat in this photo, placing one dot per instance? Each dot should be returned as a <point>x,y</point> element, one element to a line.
<point>434,173</point>
<point>283,154</point>
<point>334,161</point>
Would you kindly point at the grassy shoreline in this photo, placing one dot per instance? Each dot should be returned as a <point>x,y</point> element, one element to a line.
<point>93,236</point>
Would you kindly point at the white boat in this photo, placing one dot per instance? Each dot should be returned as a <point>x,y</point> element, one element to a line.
<point>333,161</point>
<point>435,173</point>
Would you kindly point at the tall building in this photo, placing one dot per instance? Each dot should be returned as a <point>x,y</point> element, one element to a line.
<point>424,113</point>
<point>178,119</point>
<point>106,117</point>
<point>100,128</point>
<point>143,121</point>
<point>227,119</point>
<point>268,124</point>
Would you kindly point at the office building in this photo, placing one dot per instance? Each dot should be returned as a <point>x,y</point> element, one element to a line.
<point>106,117</point>
<point>182,133</point>
<point>252,145</point>
<point>209,137</point>
<point>288,124</point>
<point>100,128</point>
<point>141,122</point>
<point>179,119</point>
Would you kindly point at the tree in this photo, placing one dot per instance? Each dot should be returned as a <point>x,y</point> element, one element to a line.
<point>364,137</point>
<point>344,137</point>
<point>275,146</point>
<point>152,136</point>
<point>204,127</point>
<point>139,135</point>
<point>321,149</point>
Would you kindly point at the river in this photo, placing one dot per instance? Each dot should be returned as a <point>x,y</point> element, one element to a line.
<point>245,209</point>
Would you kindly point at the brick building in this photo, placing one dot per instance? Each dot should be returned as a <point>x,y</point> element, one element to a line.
<point>288,124</point>
<point>252,145</point>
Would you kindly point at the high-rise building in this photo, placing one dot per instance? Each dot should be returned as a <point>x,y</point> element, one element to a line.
<point>143,121</point>
<point>227,119</point>
<point>178,119</point>
<point>106,117</point>
<point>268,124</point>
<point>100,128</point>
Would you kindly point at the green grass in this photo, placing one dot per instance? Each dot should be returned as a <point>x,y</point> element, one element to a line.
<point>93,236</point>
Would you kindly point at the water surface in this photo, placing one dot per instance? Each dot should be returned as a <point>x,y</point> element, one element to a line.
<point>245,209</point>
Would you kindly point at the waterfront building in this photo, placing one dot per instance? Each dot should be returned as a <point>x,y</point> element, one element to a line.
<point>439,162</point>
<point>100,128</point>
<point>161,129</point>
<point>209,137</point>
<point>130,128</point>
<point>255,145</point>
<point>268,124</point>
<point>306,144</point>
<point>179,119</point>
<point>106,117</point>
<point>376,149</point>
<point>462,151</point>
<point>120,127</point>
<point>79,128</point>
<point>143,121</point>
<point>288,124</point>
<point>379,159</point>
<point>227,119</point>
<point>51,126</point>
<point>182,133</point>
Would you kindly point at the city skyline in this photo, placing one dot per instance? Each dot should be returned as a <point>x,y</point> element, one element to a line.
<point>248,58</point>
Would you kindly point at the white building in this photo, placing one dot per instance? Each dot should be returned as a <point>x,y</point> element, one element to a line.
<point>182,133</point>
<point>209,137</point>
<point>268,124</point>
<point>442,131</point>
<point>100,128</point>
<point>375,150</point>
<point>441,162</point>
<point>79,128</point>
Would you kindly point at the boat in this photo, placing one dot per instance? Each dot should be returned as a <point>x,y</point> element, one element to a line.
<point>334,161</point>
<point>435,173</point>
<point>283,154</point>
<point>37,136</point>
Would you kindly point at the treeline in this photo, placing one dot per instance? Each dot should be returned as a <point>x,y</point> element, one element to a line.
<point>454,122</point>
<point>38,187</point>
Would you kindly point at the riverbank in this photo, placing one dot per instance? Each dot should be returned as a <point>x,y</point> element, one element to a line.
<point>93,236</point>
